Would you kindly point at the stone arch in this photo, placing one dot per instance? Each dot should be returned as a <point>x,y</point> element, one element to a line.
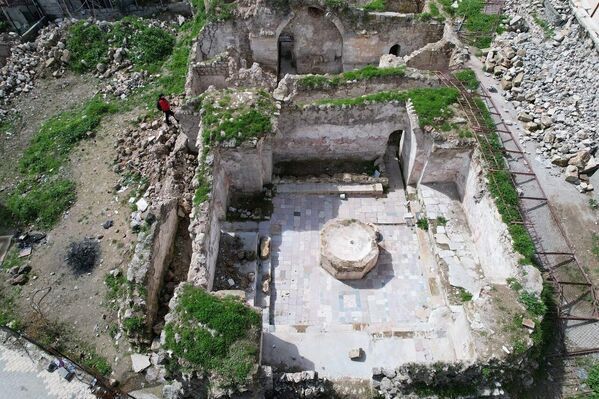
<point>313,39</point>
<point>395,50</point>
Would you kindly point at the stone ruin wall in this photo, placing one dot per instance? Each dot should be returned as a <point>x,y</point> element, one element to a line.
<point>351,40</point>
<point>331,132</point>
<point>489,233</point>
<point>413,79</point>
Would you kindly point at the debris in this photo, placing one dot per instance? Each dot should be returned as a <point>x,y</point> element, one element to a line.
<point>25,252</point>
<point>107,224</point>
<point>142,205</point>
<point>355,354</point>
<point>140,362</point>
<point>528,323</point>
<point>265,247</point>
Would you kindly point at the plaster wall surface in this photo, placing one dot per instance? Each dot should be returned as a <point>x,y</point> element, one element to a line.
<point>446,165</point>
<point>318,44</point>
<point>489,233</point>
<point>335,133</point>
<point>247,167</point>
<point>325,41</point>
<point>205,230</point>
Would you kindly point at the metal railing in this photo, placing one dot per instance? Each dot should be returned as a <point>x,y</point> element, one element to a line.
<point>577,302</point>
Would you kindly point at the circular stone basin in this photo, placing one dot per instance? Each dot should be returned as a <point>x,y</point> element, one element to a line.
<point>348,248</point>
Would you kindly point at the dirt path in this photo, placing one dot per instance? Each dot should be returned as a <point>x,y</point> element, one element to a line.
<point>48,97</point>
<point>78,299</point>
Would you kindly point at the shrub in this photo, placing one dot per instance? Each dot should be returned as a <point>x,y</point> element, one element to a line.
<point>147,46</point>
<point>422,224</point>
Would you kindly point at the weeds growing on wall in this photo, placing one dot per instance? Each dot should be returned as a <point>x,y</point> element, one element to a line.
<point>431,104</point>
<point>468,78</point>
<point>375,5</point>
<point>368,72</point>
<point>43,193</point>
<point>501,187</point>
<point>241,121</point>
<point>214,335</point>
<point>482,25</point>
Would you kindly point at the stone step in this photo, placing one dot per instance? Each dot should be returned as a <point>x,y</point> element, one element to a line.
<point>375,189</point>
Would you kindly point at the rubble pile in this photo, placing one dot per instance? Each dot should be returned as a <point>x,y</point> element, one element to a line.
<point>28,60</point>
<point>48,55</point>
<point>547,76</point>
<point>153,151</point>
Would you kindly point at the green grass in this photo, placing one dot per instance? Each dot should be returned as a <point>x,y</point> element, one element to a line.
<point>43,194</point>
<point>88,45</point>
<point>8,314</point>
<point>593,381</point>
<point>441,221</point>
<point>52,144</point>
<point>468,78</point>
<point>502,189</point>
<point>96,362</point>
<point>422,224</point>
<point>375,5</point>
<point>533,304</point>
<point>514,284</point>
<point>223,121</point>
<point>547,28</point>
<point>595,245</point>
<point>202,191</point>
<point>431,104</point>
<point>368,72</point>
<point>214,334</point>
<point>147,46</point>
<point>12,259</point>
<point>41,202</point>
<point>482,25</point>
<point>134,324</point>
<point>593,204</point>
<point>116,287</point>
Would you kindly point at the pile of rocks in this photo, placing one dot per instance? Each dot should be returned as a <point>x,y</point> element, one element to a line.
<point>150,151</point>
<point>18,275</point>
<point>547,78</point>
<point>28,60</point>
<point>304,384</point>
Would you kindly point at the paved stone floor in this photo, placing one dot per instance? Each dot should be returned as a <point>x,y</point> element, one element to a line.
<point>23,376</point>
<point>305,294</point>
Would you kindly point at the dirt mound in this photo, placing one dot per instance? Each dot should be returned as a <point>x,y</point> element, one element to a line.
<point>83,255</point>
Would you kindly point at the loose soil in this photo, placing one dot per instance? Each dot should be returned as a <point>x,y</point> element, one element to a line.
<point>73,298</point>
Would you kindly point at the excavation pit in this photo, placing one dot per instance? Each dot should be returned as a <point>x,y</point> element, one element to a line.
<point>348,248</point>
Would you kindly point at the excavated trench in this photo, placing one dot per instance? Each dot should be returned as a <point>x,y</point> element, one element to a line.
<point>176,272</point>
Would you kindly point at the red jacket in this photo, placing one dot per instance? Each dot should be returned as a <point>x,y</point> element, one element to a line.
<point>164,105</point>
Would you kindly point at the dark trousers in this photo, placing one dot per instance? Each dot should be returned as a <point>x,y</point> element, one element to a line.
<point>167,114</point>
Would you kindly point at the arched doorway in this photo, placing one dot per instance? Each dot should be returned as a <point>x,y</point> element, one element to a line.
<point>393,159</point>
<point>310,43</point>
<point>395,49</point>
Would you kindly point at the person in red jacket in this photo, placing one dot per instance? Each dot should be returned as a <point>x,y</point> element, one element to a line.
<point>164,106</point>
